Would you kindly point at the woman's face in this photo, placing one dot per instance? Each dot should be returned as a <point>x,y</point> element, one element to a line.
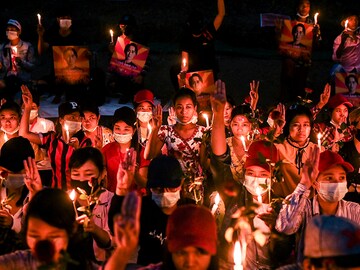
<point>227,113</point>
<point>122,128</point>
<point>86,172</point>
<point>9,120</point>
<point>40,230</point>
<point>144,107</point>
<point>304,8</point>
<point>240,126</point>
<point>191,258</point>
<point>299,129</point>
<point>70,58</point>
<point>340,114</point>
<point>90,120</point>
<point>184,109</point>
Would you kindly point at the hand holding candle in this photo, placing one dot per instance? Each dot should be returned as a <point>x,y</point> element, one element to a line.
<point>72,196</point>
<point>346,24</point>
<point>112,36</point>
<point>216,204</point>
<point>67,139</point>
<point>319,136</point>
<point>237,256</point>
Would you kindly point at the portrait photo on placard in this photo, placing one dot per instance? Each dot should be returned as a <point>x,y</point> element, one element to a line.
<point>296,40</point>
<point>71,64</point>
<point>199,81</point>
<point>348,85</point>
<point>129,57</point>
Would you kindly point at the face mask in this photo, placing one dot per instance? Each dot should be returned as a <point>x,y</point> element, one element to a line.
<point>166,199</point>
<point>14,180</point>
<point>332,192</point>
<point>10,132</point>
<point>12,35</point>
<point>83,185</point>
<point>144,116</point>
<point>33,114</point>
<point>122,138</point>
<point>65,23</point>
<point>251,183</point>
<point>193,120</point>
<point>73,126</point>
<point>89,130</point>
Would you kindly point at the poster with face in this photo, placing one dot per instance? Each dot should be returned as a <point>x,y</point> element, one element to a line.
<point>296,40</point>
<point>348,85</point>
<point>128,58</point>
<point>71,64</point>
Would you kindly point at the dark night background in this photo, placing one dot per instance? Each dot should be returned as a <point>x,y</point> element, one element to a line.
<point>245,50</point>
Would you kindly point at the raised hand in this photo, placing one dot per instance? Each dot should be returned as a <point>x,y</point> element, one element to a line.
<point>26,96</point>
<point>254,94</point>
<point>172,117</point>
<point>32,177</point>
<point>157,117</point>
<point>310,169</point>
<point>325,96</point>
<point>125,173</point>
<point>218,98</point>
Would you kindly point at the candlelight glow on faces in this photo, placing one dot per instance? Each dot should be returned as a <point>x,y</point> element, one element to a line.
<point>9,121</point>
<point>299,129</point>
<point>90,121</point>
<point>240,126</point>
<point>339,114</point>
<point>184,109</point>
<point>227,113</point>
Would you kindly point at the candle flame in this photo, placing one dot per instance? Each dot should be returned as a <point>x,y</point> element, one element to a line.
<point>5,137</point>
<point>205,116</point>
<point>237,256</point>
<point>319,136</point>
<point>346,24</point>
<point>184,62</point>
<point>258,193</point>
<point>217,199</point>
<point>66,127</point>
<point>72,195</point>
<point>111,32</point>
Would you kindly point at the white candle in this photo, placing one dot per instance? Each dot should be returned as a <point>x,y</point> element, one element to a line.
<point>39,18</point>
<point>258,193</point>
<point>72,196</point>
<point>319,140</point>
<point>216,204</point>
<point>237,256</point>
<point>315,18</point>
<point>112,35</point>
<point>206,119</point>
<point>149,128</point>
<point>67,139</point>
<point>346,24</point>
<point>5,137</point>
<point>242,138</point>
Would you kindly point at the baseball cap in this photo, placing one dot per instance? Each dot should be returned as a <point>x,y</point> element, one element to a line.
<point>125,114</point>
<point>331,236</point>
<point>144,95</point>
<point>164,172</point>
<point>259,151</point>
<point>68,107</point>
<point>14,23</point>
<point>191,225</point>
<point>329,159</point>
<point>14,152</point>
<point>337,100</point>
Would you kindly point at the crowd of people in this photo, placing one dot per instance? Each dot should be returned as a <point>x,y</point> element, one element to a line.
<point>248,188</point>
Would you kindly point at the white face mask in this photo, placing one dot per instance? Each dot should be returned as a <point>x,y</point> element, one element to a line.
<point>122,138</point>
<point>144,116</point>
<point>252,183</point>
<point>33,114</point>
<point>10,132</point>
<point>73,126</point>
<point>14,180</point>
<point>166,199</point>
<point>12,35</point>
<point>65,23</point>
<point>89,130</point>
<point>332,192</point>
<point>193,120</point>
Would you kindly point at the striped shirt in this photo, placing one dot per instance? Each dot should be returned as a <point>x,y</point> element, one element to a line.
<point>59,153</point>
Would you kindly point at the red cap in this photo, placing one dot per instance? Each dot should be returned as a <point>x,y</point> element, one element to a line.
<point>144,95</point>
<point>337,100</point>
<point>329,159</point>
<point>191,225</point>
<point>259,151</point>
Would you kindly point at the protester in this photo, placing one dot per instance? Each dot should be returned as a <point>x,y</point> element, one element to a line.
<point>10,114</point>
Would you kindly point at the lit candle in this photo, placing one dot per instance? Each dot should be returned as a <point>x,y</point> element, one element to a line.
<point>206,119</point>
<point>319,140</point>
<point>112,35</point>
<point>237,256</point>
<point>67,139</point>
<point>149,128</point>
<point>216,204</point>
<point>72,196</point>
<point>258,193</point>
<point>346,24</point>
<point>183,63</point>
<point>242,138</point>
<point>39,18</point>
<point>14,51</point>
<point>5,137</point>
<point>315,18</point>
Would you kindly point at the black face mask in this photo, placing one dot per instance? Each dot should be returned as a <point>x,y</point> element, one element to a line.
<point>85,185</point>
